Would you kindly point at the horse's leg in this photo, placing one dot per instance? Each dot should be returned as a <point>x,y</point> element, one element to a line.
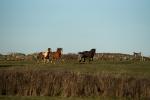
<point>89,59</point>
<point>44,60</point>
<point>62,61</point>
<point>84,59</point>
<point>38,61</point>
<point>47,60</point>
<point>51,61</point>
<point>54,61</point>
<point>92,59</point>
<point>59,60</point>
<point>79,58</point>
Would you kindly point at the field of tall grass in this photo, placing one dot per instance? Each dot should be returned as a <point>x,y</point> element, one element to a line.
<point>124,79</point>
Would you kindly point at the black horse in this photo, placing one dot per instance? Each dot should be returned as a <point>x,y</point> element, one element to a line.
<point>87,54</point>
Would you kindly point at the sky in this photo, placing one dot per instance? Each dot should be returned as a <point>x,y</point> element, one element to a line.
<point>119,26</point>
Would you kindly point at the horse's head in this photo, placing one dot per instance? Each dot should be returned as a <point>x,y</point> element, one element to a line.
<point>60,50</point>
<point>80,52</point>
<point>93,51</point>
<point>49,49</point>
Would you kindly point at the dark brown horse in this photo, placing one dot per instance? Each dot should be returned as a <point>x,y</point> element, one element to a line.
<point>44,56</point>
<point>56,56</point>
<point>86,55</point>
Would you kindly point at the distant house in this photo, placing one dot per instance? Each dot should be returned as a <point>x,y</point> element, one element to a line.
<point>113,56</point>
<point>1,57</point>
<point>15,56</point>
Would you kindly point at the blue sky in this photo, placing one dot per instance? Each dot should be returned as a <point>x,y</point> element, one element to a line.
<point>108,25</point>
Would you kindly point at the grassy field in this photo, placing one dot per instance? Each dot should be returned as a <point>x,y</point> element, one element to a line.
<point>126,67</point>
<point>95,81</point>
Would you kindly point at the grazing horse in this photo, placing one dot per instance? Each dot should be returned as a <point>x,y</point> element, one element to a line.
<point>87,54</point>
<point>56,56</point>
<point>45,56</point>
<point>137,56</point>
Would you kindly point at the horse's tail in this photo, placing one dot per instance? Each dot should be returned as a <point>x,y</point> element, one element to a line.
<point>39,57</point>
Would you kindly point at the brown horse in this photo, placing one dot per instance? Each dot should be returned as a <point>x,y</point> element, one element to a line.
<point>44,56</point>
<point>56,56</point>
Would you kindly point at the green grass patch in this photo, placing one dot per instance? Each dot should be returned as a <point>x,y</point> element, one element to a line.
<point>127,67</point>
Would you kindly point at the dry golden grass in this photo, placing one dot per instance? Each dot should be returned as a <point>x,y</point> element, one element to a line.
<point>70,84</point>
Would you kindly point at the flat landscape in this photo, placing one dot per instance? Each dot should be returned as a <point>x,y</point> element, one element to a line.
<point>74,50</point>
<point>73,80</point>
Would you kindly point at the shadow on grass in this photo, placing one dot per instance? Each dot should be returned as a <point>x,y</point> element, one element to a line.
<point>6,65</point>
<point>9,65</point>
